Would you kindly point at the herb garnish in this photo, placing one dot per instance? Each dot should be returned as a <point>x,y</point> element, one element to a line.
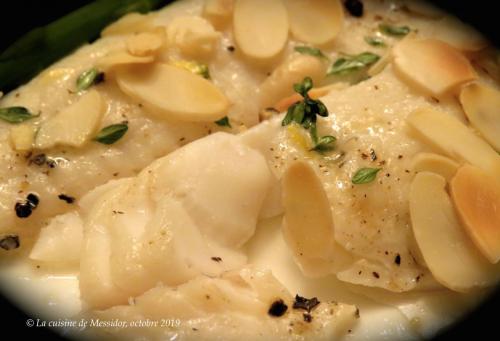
<point>10,242</point>
<point>365,175</point>
<point>375,41</point>
<point>305,303</point>
<point>89,78</point>
<point>16,114</point>
<point>312,51</point>
<point>111,134</point>
<point>223,122</point>
<point>397,31</point>
<point>348,64</point>
<point>305,114</point>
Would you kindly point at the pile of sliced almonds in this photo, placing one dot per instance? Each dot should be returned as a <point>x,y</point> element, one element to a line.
<point>449,253</point>
<point>459,236</point>
<point>455,139</point>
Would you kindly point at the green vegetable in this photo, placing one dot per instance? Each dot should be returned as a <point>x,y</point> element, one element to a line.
<point>375,41</point>
<point>305,113</point>
<point>397,31</point>
<point>89,78</point>
<point>16,114</point>
<point>42,46</point>
<point>223,122</point>
<point>348,64</point>
<point>111,134</point>
<point>365,175</point>
<point>324,144</point>
<point>312,51</point>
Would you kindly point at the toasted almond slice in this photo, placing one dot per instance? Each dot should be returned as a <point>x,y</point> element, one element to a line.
<point>476,196</point>
<point>449,253</point>
<point>131,23</point>
<point>424,9</point>
<point>314,93</point>
<point>74,125</point>
<point>432,65</point>
<point>146,43</point>
<point>293,70</point>
<point>435,163</point>
<point>316,22</point>
<point>22,137</point>
<point>455,139</point>
<point>193,35</point>
<point>120,58</point>
<point>218,12</point>
<point>459,35</point>
<point>260,27</point>
<point>173,92</point>
<point>481,104</point>
<point>308,224</point>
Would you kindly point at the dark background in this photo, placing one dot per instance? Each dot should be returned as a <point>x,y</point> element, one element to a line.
<point>19,16</point>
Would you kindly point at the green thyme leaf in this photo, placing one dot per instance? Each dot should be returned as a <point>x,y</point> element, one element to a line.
<point>365,175</point>
<point>16,114</point>
<point>375,41</point>
<point>312,51</point>
<point>304,87</point>
<point>324,144</point>
<point>305,113</point>
<point>223,122</point>
<point>112,133</point>
<point>346,65</point>
<point>397,31</point>
<point>89,78</point>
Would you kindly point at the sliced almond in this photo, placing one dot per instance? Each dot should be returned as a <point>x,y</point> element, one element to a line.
<point>455,139</point>
<point>424,9</point>
<point>131,23</point>
<point>316,22</point>
<point>192,35</point>
<point>120,58</point>
<point>173,92</point>
<point>22,137</point>
<point>449,253</point>
<point>146,43</point>
<point>308,224</point>
<point>218,12</point>
<point>481,104</point>
<point>293,70</point>
<point>476,196</point>
<point>260,27</point>
<point>432,65</point>
<point>458,34</point>
<point>435,163</point>
<point>74,125</point>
